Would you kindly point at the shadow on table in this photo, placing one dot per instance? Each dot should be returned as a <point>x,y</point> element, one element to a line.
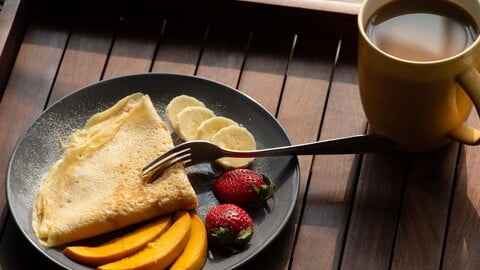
<point>14,245</point>
<point>462,242</point>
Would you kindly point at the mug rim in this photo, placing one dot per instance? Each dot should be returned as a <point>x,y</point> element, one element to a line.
<point>398,59</point>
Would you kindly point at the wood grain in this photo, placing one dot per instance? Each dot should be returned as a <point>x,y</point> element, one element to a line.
<point>423,218</point>
<point>374,211</point>
<point>12,28</point>
<point>84,59</point>
<point>134,47</point>
<point>14,245</point>
<point>180,47</point>
<point>337,6</point>
<point>27,90</point>
<point>262,78</point>
<point>302,105</point>
<point>332,184</point>
<point>306,87</point>
<point>371,234</point>
<point>462,247</point>
<point>82,64</point>
<point>265,67</point>
<point>223,55</point>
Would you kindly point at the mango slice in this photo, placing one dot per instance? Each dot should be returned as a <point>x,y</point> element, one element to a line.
<point>161,252</point>
<point>194,255</point>
<point>120,247</point>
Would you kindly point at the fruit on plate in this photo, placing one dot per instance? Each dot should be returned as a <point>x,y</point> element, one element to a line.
<point>161,252</point>
<point>189,119</point>
<point>243,187</point>
<point>194,255</point>
<point>119,247</point>
<point>229,228</point>
<point>177,104</point>
<point>234,138</point>
<point>209,127</point>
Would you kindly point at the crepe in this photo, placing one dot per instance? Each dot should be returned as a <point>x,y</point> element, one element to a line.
<point>96,186</point>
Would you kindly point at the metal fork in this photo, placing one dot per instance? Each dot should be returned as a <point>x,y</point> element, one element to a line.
<point>194,152</point>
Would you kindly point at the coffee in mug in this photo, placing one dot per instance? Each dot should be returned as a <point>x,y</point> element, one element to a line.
<point>421,30</point>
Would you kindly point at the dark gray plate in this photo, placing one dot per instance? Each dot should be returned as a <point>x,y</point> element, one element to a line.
<point>39,148</point>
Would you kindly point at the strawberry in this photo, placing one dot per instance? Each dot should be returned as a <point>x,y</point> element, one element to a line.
<point>243,187</point>
<point>229,228</point>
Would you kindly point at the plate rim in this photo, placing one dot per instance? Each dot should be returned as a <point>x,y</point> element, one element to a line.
<point>296,170</point>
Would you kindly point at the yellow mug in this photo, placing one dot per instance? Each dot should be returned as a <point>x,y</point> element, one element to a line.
<point>420,105</point>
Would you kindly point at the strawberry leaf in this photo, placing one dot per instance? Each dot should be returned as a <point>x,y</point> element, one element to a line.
<point>224,235</point>
<point>266,179</point>
<point>244,237</point>
<point>265,192</point>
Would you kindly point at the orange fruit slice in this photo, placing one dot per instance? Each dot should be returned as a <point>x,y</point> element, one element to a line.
<point>194,255</point>
<point>161,252</point>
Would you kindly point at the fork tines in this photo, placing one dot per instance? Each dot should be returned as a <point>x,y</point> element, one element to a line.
<point>165,161</point>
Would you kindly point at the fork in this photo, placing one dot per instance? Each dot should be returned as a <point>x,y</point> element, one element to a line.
<point>198,151</point>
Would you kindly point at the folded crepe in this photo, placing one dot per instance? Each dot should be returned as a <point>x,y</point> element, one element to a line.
<point>96,186</point>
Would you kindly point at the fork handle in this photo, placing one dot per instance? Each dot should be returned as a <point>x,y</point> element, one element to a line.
<point>346,145</point>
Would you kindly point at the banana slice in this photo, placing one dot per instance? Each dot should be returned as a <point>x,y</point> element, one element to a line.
<point>189,119</point>
<point>209,127</point>
<point>234,138</point>
<point>177,104</point>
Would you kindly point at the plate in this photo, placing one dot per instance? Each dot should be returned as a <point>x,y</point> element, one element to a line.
<point>39,148</point>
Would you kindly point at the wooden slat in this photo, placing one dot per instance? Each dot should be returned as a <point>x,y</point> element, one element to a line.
<point>84,59</point>
<point>265,66</point>
<point>462,248</point>
<point>134,48</point>
<point>262,78</point>
<point>83,62</point>
<point>180,47</point>
<point>93,48</point>
<point>337,6</point>
<point>27,90</point>
<point>374,218</point>
<point>223,55</point>
<point>12,26</point>
<point>302,106</point>
<point>425,207</point>
<point>14,246</point>
<point>305,93</point>
<point>332,184</point>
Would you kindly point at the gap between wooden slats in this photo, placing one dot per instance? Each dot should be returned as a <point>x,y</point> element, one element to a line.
<point>85,58</point>
<point>82,63</point>
<point>224,54</point>
<point>77,56</point>
<point>264,70</point>
<point>373,222</point>
<point>306,87</point>
<point>262,78</point>
<point>462,244</point>
<point>400,210</point>
<point>423,218</point>
<point>134,46</point>
<point>370,233</point>
<point>333,180</point>
<point>180,48</point>
<point>25,97</point>
<point>13,22</point>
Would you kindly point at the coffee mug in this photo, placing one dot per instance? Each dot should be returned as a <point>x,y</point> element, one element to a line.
<point>422,105</point>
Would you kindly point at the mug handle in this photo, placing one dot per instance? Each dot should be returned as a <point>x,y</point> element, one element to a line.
<point>469,80</point>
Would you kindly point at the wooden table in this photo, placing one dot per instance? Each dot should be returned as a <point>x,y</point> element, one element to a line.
<point>371,211</point>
